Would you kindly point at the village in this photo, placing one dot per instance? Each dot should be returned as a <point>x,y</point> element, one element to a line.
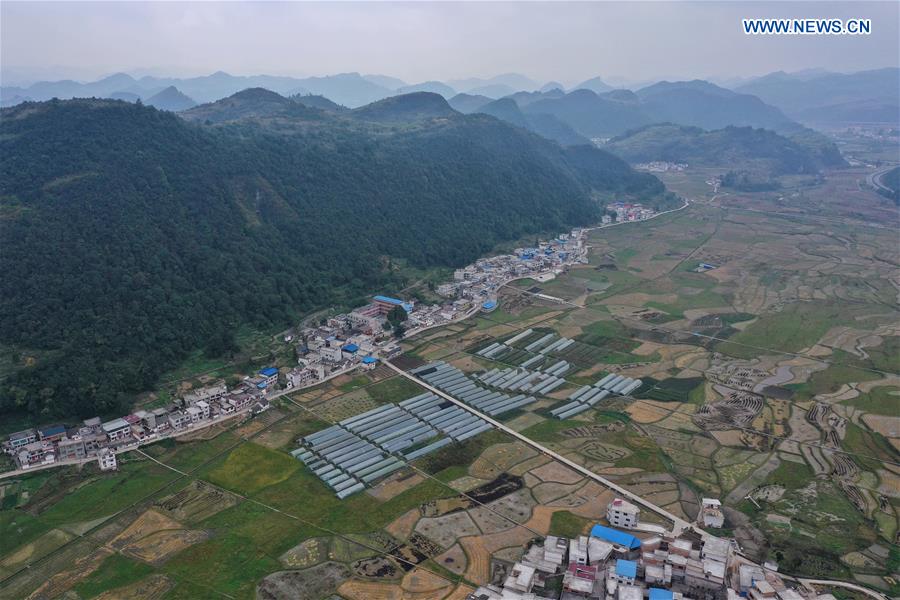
<point>630,560</point>
<point>344,343</point>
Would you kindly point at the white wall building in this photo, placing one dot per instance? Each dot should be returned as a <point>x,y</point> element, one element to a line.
<point>621,513</point>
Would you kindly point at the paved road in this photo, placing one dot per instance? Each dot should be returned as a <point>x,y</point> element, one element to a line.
<point>874,178</point>
<point>844,584</point>
<point>679,524</point>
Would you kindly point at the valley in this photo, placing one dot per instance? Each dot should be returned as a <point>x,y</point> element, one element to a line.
<point>769,380</point>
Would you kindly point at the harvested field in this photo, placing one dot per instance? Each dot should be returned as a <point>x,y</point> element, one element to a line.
<point>548,492</point>
<point>447,529</point>
<point>478,566</point>
<point>395,484</point>
<point>308,584</point>
<point>499,458</point>
<point>421,584</point>
<point>157,548</point>
<point>527,465</point>
<point>148,523</point>
<point>402,527</point>
<point>150,588</point>
<point>65,580</point>
<point>555,471</point>
<point>488,521</point>
<point>516,506</point>
<point>196,502</point>
<point>453,559</point>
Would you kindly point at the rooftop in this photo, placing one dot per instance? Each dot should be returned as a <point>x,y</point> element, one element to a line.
<point>52,430</point>
<point>268,371</point>
<point>614,536</point>
<point>660,594</point>
<point>626,568</point>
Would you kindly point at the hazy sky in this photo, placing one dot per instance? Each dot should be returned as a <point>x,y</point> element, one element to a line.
<point>566,42</point>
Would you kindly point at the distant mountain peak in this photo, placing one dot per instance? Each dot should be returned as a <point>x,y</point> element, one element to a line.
<point>172,99</point>
<point>406,107</point>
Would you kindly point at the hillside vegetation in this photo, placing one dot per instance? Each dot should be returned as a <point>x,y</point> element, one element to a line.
<point>132,237</point>
<point>805,152</point>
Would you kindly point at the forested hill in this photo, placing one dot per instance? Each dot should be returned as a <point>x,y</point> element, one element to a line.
<point>131,237</point>
<point>801,152</point>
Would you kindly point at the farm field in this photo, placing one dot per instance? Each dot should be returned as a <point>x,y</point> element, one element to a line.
<point>770,382</point>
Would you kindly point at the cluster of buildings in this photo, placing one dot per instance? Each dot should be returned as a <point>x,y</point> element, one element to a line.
<point>659,166</point>
<point>621,212</point>
<point>612,564</point>
<point>94,438</point>
<point>479,283</point>
<point>356,339</point>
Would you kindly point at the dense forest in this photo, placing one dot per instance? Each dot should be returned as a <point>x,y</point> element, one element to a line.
<point>132,237</point>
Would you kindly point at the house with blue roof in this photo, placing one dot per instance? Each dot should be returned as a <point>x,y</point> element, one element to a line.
<point>386,303</point>
<point>271,376</point>
<point>53,433</point>
<point>616,537</point>
<point>626,571</point>
<point>350,348</point>
<point>661,594</point>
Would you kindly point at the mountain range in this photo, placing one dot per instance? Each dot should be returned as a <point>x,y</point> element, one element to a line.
<point>823,97</point>
<point>134,237</point>
<point>810,96</point>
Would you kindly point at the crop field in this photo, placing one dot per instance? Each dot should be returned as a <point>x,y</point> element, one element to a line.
<point>771,382</point>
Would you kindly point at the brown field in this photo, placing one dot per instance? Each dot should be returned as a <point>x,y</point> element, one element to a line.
<point>453,559</point>
<point>148,523</point>
<point>159,547</point>
<point>65,580</point>
<point>402,527</point>
<point>150,588</point>
<point>395,484</point>
<point>555,471</point>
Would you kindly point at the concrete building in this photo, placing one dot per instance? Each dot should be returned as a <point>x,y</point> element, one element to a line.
<point>621,513</point>
<point>117,429</point>
<point>179,419</point>
<point>578,550</point>
<point>711,514</point>
<point>271,376</point>
<point>52,433</point>
<point>71,449</point>
<point>520,579</point>
<point>35,453</point>
<point>19,440</point>
<point>106,458</point>
<point>208,393</point>
<point>580,580</point>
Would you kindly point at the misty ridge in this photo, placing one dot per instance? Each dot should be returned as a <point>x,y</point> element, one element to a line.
<point>592,108</point>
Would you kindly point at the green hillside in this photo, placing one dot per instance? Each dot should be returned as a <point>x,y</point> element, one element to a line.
<point>132,238</point>
<point>753,149</point>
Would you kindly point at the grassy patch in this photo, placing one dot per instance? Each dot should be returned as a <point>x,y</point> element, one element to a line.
<point>394,389</point>
<point>566,524</point>
<point>114,572</point>
<point>674,389</point>
<point>881,400</point>
<point>798,326</point>
<point>251,467</point>
<point>109,493</point>
<point>549,430</point>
